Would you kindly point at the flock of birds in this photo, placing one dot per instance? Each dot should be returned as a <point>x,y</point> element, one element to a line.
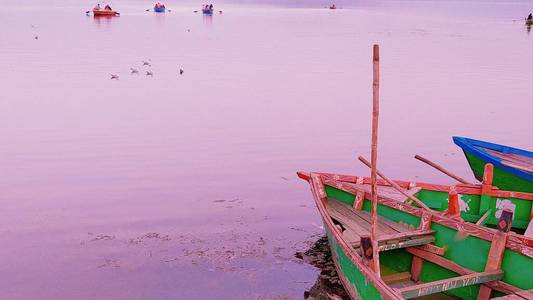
<point>134,71</point>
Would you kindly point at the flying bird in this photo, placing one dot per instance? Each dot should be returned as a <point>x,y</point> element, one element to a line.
<point>36,37</point>
<point>114,76</point>
<point>181,71</point>
<point>134,71</point>
<point>145,63</point>
<point>149,73</point>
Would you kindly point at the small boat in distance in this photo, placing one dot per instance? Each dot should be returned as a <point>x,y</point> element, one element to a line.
<point>207,9</point>
<point>513,168</point>
<point>160,8</point>
<point>333,6</point>
<point>106,11</point>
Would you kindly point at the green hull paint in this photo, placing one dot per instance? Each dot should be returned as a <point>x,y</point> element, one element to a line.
<point>502,179</point>
<point>351,274</point>
<point>475,206</point>
<point>470,252</point>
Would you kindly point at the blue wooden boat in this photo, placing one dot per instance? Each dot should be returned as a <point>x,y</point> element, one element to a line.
<point>513,168</point>
<point>160,8</point>
<point>207,11</point>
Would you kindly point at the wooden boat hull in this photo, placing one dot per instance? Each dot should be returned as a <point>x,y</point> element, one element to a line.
<point>506,176</point>
<point>104,12</point>
<point>159,9</point>
<point>207,11</point>
<point>456,239</point>
<point>529,22</point>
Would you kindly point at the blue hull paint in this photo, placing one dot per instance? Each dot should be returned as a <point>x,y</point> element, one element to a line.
<point>472,146</point>
<point>207,11</point>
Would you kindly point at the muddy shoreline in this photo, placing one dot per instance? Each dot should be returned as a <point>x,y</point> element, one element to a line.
<point>328,285</point>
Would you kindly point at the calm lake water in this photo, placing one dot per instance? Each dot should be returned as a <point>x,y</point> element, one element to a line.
<point>183,186</point>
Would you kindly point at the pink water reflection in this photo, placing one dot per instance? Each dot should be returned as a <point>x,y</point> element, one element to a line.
<point>91,164</point>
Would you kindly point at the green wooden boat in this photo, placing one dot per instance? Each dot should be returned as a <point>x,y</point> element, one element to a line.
<point>422,252</point>
<point>513,168</point>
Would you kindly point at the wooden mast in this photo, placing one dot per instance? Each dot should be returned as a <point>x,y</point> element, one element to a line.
<point>374,154</point>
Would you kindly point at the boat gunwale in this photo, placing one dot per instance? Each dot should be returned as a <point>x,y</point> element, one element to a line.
<point>470,145</point>
<point>515,242</point>
<point>385,290</point>
<point>461,188</point>
<point>104,12</point>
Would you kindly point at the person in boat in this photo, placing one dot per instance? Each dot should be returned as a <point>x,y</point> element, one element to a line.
<point>97,7</point>
<point>107,7</point>
<point>530,17</point>
<point>333,6</point>
<point>211,7</point>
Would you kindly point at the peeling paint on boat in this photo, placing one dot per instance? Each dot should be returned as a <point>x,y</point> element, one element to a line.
<point>502,204</point>
<point>464,203</point>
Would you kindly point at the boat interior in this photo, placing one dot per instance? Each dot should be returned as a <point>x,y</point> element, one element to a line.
<point>514,160</point>
<point>411,261</point>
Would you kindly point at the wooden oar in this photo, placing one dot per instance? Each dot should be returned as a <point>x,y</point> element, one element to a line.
<point>442,169</point>
<point>396,186</point>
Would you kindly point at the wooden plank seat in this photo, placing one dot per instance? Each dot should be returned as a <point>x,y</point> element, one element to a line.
<point>510,297</point>
<point>448,284</point>
<point>391,235</point>
<point>523,295</point>
<point>387,192</point>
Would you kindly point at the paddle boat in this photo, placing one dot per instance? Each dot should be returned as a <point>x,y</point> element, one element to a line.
<point>421,251</point>
<point>513,168</point>
<point>160,8</point>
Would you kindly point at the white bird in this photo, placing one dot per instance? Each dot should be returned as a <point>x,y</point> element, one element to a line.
<point>149,73</point>
<point>145,63</point>
<point>134,71</point>
<point>114,76</point>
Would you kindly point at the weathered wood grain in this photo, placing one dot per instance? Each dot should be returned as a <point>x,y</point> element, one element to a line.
<point>449,284</point>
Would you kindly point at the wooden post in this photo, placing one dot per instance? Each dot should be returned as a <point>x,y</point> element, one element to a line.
<point>488,175</point>
<point>497,248</point>
<point>485,198</point>
<point>360,196</point>
<point>453,204</point>
<point>416,264</point>
<point>374,157</point>
<point>366,248</point>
